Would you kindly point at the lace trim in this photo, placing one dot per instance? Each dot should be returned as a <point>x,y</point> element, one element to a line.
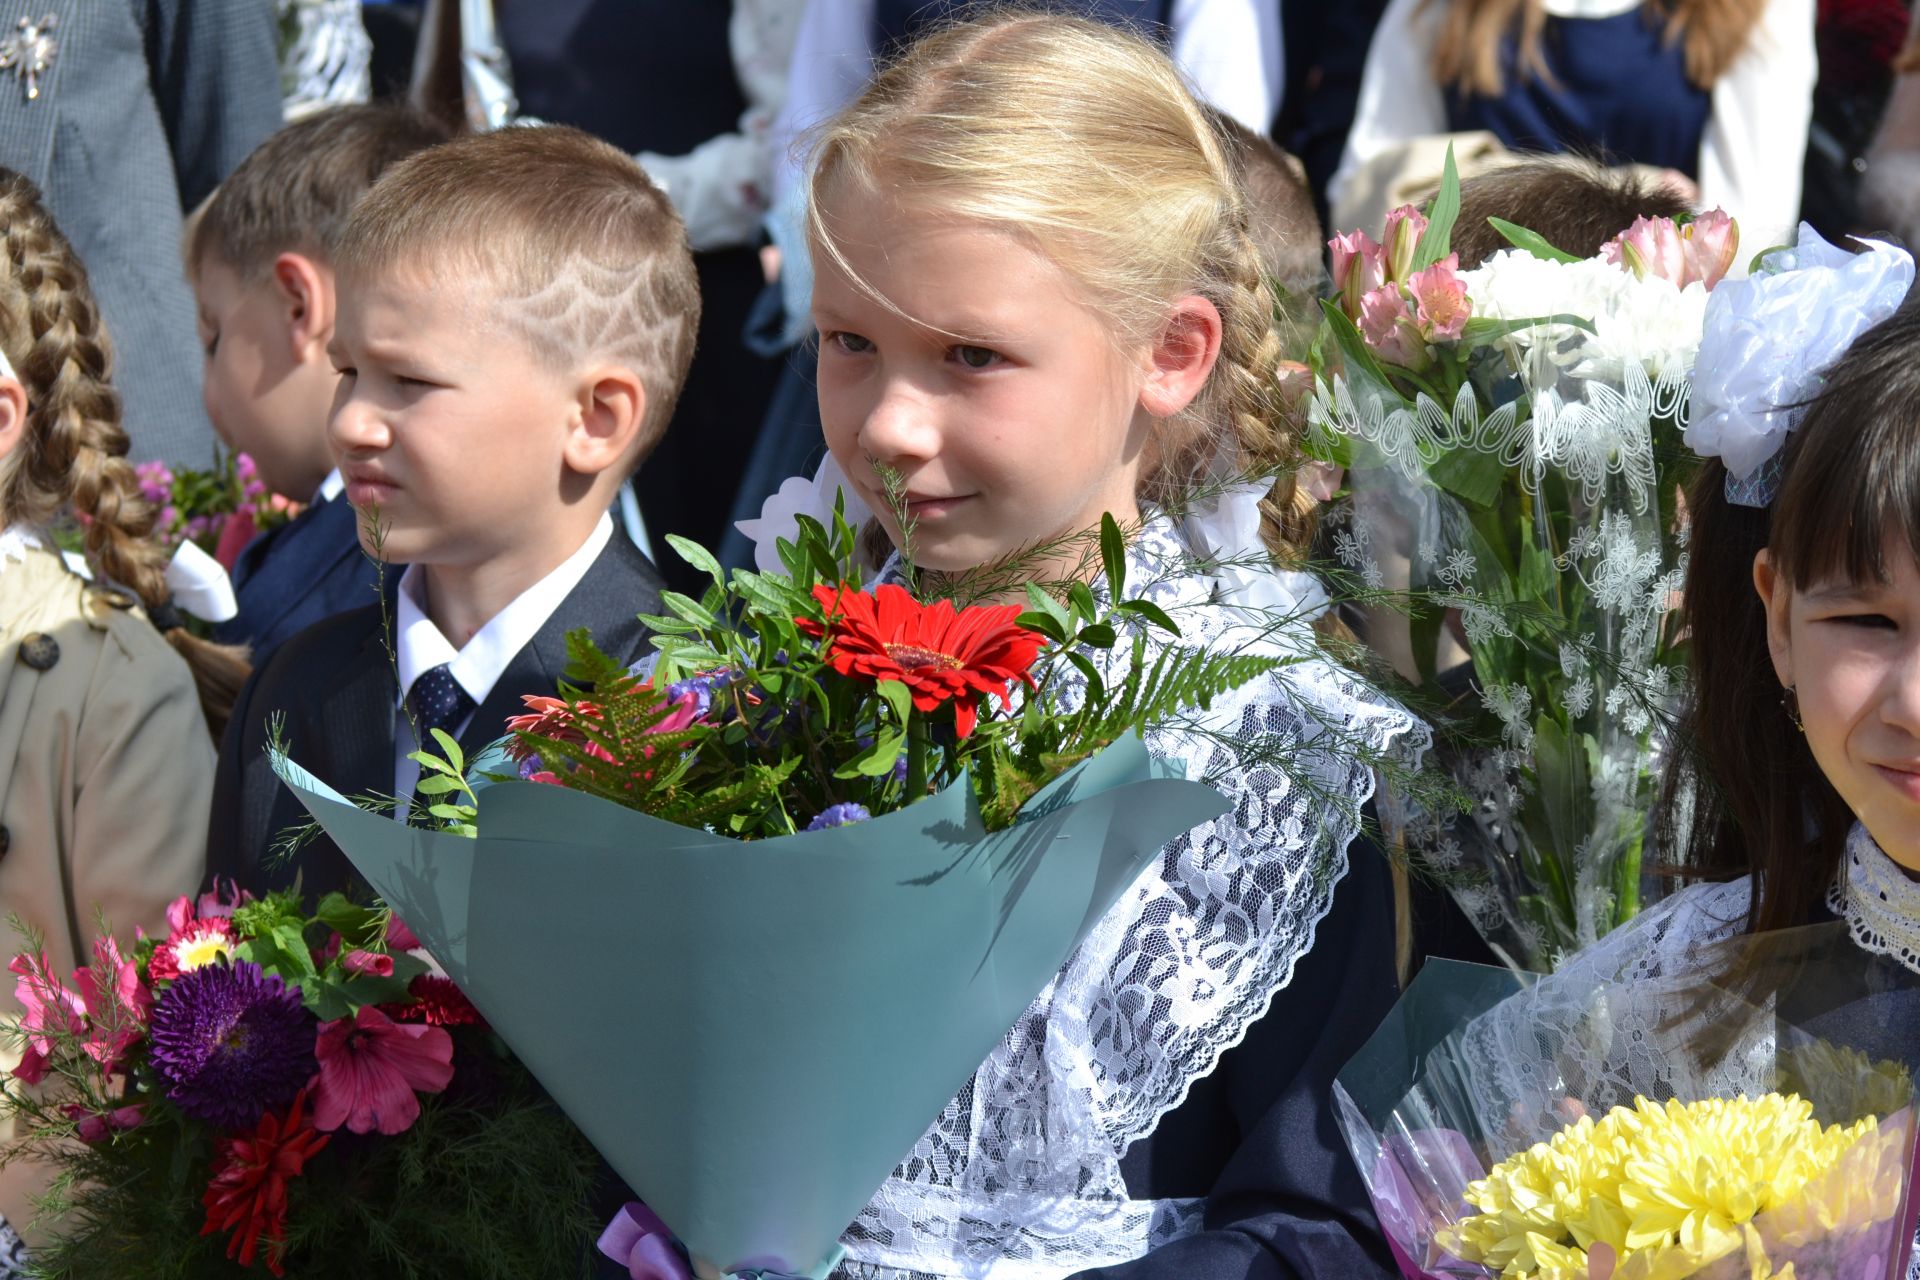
<point>1878,900</point>
<point>15,542</point>
<point>1021,1171</point>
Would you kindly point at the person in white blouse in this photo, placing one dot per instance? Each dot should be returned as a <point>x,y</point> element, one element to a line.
<point>1723,98</point>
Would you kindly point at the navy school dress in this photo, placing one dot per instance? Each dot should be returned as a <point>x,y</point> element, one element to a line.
<point>1618,92</point>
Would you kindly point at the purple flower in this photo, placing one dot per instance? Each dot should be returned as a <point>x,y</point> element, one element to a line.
<point>231,1043</point>
<point>156,482</point>
<point>839,815</point>
<point>703,687</point>
<point>530,766</point>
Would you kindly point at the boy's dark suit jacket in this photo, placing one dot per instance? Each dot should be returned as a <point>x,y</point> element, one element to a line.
<point>334,685</point>
<point>291,577</point>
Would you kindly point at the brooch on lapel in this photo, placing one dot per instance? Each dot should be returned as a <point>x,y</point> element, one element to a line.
<point>28,52</point>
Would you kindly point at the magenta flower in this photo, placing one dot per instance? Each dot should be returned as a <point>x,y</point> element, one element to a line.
<point>1405,226</point>
<point>1440,298</point>
<point>118,1004</point>
<point>1389,329</point>
<point>399,937</point>
<point>51,1010</point>
<point>94,1127</point>
<point>1359,267</point>
<point>367,963</point>
<point>371,1067</point>
<point>156,482</point>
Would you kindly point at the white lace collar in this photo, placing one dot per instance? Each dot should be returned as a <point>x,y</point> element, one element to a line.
<point>15,542</point>
<point>1879,901</point>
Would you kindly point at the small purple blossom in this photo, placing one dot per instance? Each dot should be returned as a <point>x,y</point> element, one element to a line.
<point>839,815</point>
<point>231,1043</point>
<point>530,766</point>
<point>703,687</point>
<point>156,482</point>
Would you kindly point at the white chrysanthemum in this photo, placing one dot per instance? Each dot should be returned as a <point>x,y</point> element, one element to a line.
<point>1649,321</point>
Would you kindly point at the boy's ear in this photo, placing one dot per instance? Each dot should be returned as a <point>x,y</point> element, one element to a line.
<point>1182,357</point>
<point>1775,597</point>
<point>613,405</point>
<point>306,296</point>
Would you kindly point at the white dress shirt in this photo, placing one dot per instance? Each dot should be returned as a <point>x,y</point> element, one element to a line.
<point>1756,136</point>
<point>476,667</point>
<point>330,488</point>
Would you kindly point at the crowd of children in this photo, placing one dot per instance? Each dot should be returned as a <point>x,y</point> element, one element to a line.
<point>1050,284</point>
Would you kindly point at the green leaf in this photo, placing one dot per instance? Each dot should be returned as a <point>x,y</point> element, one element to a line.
<point>1356,358</point>
<point>1045,624</point>
<point>697,556</point>
<point>1113,555</point>
<point>1152,613</point>
<point>1435,242</point>
<point>1483,329</point>
<point>1039,601</point>
<point>439,786</point>
<point>689,608</point>
<point>1099,635</point>
<point>451,812</point>
<point>452,748</point>
<point>1080,596</point>
<point>428,760</point>
<point>876,760</point>
<point>354,923</point>
<point>1470,475</point>
<point>899,699</point>
<point>1532,241</point>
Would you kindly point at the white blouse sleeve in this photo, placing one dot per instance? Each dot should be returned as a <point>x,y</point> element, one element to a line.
<point>1756,139</point>
<point>832,58</point>
<point>1231,52</point>
<point>1399,99</point>
<point>722,187</point>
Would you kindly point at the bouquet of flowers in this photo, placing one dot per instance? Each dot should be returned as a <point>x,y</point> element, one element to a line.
<point>842,838</point>
<point>219,509</point>
<point>1704,1126</point>
<point>1512,435</point>
<point>281,1090</point>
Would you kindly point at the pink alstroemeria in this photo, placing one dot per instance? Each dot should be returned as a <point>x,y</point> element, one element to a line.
<point>1388,327</point>
<point>371,1068</point>
<point>1440,298</point>
<point>51,1010</point>
<point>1359,267</point>
<point>1702,251</point>
<point>117,1001</point>
<point>367,964</point>
<point>1405,226</point>
<point>1713,242</point>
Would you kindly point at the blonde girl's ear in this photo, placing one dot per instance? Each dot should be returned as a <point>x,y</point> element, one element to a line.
<point>13,414</point>
<point>1181,357</point>
<point>1776,597</point>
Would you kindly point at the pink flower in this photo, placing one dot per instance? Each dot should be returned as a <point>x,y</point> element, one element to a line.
<point>367,963</point>
<point>1405,226</point>
<point>156,482</point>
<point>399,937</point>
<point>51,1010</point>
<point>94,1127</point>
<point>1359,267</point>
<point>1440,296</point>
<point>1702,251</point>
<point>221,901</point>
<point>1389,329</point>
<point>370,1069</point>
<point>1713,242</point>
<point>118,1003</point>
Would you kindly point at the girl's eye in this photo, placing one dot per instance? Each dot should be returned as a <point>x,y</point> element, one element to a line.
<point>851,343</point>
<point>1870,621</point>
<point>976,357</point>
<point>416,384</point>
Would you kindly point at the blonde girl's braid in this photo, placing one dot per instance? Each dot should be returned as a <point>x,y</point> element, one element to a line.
<point>73,454</point>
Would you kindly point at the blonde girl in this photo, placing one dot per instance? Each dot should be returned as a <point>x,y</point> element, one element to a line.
<point>1038,302</point>
<point>106,764</point>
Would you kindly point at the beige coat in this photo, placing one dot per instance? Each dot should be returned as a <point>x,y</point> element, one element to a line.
<point>106,777</point>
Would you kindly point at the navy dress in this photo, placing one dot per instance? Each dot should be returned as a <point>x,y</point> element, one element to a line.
<point>1618,92</point>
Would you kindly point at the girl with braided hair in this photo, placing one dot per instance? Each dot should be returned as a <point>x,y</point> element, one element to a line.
<point>106,763</point>
<point>1039,301</point>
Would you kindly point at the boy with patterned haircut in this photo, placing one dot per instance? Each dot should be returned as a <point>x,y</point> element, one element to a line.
<point>260,259</point>
<point>517,315</point>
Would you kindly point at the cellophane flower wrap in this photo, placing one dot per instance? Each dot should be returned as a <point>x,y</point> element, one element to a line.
<point>1512,441</point>
<point>825,814</point>
<point>268,1091</point>
<point>1713,1126</point>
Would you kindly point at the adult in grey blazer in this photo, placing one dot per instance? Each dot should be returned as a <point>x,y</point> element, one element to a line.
<point>143,107</point>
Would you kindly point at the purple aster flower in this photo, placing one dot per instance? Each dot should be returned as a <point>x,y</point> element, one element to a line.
<point>231,1043</point>
<point>839,815</point>
<point>702,686</point>
<point>530,766</point>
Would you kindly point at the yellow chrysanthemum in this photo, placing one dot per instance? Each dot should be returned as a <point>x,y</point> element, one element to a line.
<point>1667,1188</point>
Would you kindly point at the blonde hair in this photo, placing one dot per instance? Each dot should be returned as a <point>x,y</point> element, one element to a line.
<point>586,256</point>
<point>1085,139</point>
<point>1473,34</point>
<point>73,452</point>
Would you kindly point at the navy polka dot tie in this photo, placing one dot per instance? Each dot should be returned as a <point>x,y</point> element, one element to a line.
<point>436,701</point>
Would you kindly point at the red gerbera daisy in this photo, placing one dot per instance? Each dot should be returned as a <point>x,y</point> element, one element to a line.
<point>940,654</point>
<point>436,1002</point>
<point>248,1193</point>
<point>194,943</point>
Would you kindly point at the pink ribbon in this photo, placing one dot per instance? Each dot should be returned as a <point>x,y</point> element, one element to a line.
<point>640,1242</point>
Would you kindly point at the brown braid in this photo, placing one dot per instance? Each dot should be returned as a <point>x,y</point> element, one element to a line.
<point>73,454</point>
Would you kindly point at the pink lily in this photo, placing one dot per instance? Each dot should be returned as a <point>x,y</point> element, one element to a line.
<point>1389,329</point>
<point>1440,296</point>
<point>1405,226</point>
<point>371,1068</point>
<point>1359,267</point>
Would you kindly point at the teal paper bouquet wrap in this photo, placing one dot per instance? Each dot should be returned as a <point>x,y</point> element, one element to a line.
<point>754,1033</point>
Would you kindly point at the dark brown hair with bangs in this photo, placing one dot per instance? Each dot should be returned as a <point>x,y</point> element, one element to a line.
<point>1744,793</point>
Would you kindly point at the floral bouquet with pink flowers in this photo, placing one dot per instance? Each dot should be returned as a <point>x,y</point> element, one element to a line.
<point>219,509</point>
<point>1512,435</point>
<point>263,1089</point>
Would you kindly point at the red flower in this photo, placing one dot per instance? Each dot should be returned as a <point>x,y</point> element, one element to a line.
<point>194,942</point>
<point>548,718</point>
<point>940,655</point>
<point>437,1002</point>
<point>248,1192</point>
<point>370,1069</point>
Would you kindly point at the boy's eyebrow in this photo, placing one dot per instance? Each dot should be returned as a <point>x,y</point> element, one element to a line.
<point>1841,592</point>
